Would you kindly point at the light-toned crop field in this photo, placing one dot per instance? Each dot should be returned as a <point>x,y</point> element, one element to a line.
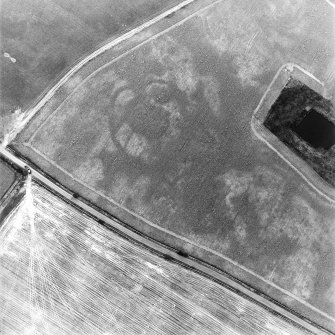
<point>63,273</point>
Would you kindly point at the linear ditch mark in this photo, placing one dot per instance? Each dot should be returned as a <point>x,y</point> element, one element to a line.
<point>177,256</point>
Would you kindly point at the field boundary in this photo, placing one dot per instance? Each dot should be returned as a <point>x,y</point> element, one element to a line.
<point>167,252</point>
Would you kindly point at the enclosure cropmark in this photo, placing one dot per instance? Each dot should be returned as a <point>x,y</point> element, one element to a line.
<point>298,123</point>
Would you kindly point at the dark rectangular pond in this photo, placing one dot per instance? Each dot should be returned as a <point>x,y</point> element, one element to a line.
<point>301,119</point>
<point>316,130</point>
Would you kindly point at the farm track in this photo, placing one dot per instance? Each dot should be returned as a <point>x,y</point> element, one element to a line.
<point>47,96</point>
<point>160,249</point>
<point>164,251</point>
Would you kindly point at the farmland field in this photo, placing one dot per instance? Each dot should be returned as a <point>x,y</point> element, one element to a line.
<point>42,38</point>
<point>63,273</point>
<point>7,178</point>
<point>158,132</point>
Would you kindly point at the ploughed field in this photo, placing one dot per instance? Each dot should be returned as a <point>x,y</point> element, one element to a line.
<point>63,273</point>
<point>157,132</point>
